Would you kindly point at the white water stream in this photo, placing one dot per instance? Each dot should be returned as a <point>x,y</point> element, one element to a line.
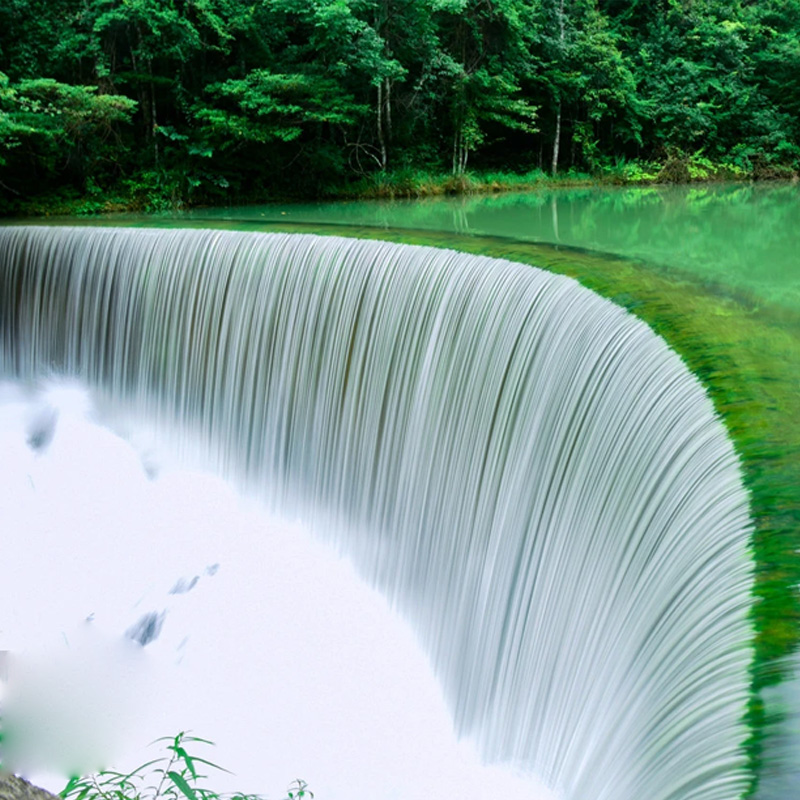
<point>525,470</point>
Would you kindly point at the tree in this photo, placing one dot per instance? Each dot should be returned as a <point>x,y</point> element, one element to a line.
<point>264,108</point>
<point>49,129</point>
<point>481,56</point>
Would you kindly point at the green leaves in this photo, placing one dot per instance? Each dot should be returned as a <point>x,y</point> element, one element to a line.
<point>42,121</point>
<point>195,100</point>
<point>182,784</point>
<point>298,789</point>
<point>173,776</point>
<point>265,107</point>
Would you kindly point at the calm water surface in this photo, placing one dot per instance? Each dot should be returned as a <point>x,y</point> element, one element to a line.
<point>744,236</point>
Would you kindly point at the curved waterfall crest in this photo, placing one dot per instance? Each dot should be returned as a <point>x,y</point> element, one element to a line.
<point>527,470</point>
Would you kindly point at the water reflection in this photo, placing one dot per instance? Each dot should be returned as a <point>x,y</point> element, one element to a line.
<point>743,235</point>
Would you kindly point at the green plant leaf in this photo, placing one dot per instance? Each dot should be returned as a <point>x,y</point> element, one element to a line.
<point>71,784</point>
<point>187,759</point>
<point>198,760</point>
<point>181,783</point>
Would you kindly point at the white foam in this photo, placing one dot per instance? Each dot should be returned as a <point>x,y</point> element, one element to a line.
<point>281,655</point>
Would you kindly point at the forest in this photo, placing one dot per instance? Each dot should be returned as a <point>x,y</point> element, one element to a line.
<point>158,103</point>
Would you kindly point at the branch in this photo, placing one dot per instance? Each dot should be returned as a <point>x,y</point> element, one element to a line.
<point>13,191</point>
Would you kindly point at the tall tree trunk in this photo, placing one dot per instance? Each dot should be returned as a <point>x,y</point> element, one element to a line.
<point>388,110</point>
<point>556,140</point>
<point>460,151</point>
<point>557,137</point>
<point>144,105</point>
<point>381,137</point>
<point>148,103</point>
<point>383,110</point>
<point>153,115</point>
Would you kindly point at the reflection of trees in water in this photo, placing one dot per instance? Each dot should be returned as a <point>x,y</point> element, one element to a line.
<point>461,217</point>
<point>741,234</point>
<point>554,214</point>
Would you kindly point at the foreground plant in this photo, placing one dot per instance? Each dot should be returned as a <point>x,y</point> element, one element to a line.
<point>172,776</point>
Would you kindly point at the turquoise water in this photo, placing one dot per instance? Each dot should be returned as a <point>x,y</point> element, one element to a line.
<point>745,236</point>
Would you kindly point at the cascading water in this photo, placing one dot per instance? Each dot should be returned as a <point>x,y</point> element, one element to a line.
<point>526,470</point>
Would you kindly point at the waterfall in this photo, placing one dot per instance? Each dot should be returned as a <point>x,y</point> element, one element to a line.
<point>527,471</point>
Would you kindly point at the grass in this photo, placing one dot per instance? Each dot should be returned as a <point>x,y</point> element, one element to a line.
<point>174,775</point>
<point>424,183</point>
<point>676,167</point>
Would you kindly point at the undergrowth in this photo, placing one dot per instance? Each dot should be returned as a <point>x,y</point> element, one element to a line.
<point>152,192</point>
<point>175,775</point>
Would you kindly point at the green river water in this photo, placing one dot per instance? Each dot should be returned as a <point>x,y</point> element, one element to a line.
<point>745,236</point>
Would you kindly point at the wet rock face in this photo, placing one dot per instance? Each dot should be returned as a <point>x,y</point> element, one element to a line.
<point>14,788</point>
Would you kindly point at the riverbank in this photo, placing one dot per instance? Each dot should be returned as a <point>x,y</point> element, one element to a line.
<point>677,168</point>
<point>169,191</point>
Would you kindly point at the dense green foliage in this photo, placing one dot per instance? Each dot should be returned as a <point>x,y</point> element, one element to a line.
<point>203,100</point>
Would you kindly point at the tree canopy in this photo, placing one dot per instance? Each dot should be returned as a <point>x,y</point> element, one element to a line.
<point>215,98</point>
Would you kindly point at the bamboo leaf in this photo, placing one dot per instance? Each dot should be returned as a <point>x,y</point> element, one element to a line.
<point>181,783</point>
